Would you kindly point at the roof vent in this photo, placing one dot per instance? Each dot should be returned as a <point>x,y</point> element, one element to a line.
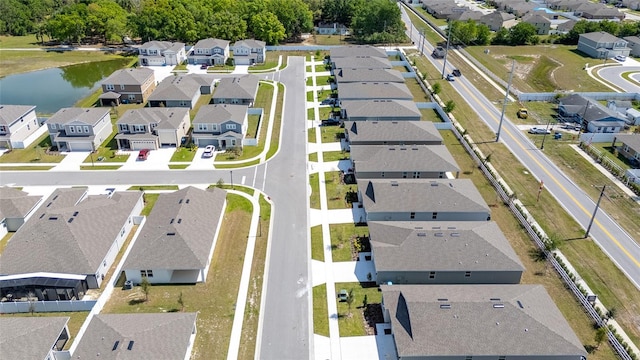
<point>435,227</point>
<point>49,204</point>
<point>455,234</point>
<point>451,184</point>
<point>445,306</point>
<point>41,216</point>
<point>394,183</point>
<point>180,201</point>
<point>70,220</point>
<point>438,234</point>
<point>443,299</point>
<point>433,183</point>
<point>421,234</point>
<point>130,345</point>
<point>115,345</point>
<point>451,227</point>
<point>55,197</point>
<point>520,304</point>
<point>494,299</point>
<point>187,201</point>
<point>171,234</point>
<point>171,222</point>
<point>53,218</point>
<point>418,227</point>
<point>75,213</point>
<point>179,220</point>
<point>498,306</point>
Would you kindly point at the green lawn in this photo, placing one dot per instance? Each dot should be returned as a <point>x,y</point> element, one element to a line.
<point>324,112</point>
<point>215,299</point>
<point>322,80</point>
<point>336,190</point>
<point>183,154</point>
<point>25,168</point>
<point>331,133</point>
<point>313,157</point>
<point>100,167</point>
<point>612,154</point>
<point>247,190</point>
<point>106,152</point>
<point>252,129</point>
<point>178,167</point>
<point>235,166</point>
<point>418,94</point>
<point>314,202</point>
<point>320,310</point>
<point>18,42</point>
<point>430,115</point>
<point>21,61</point>
<point>309,95</point>
<point>400,68</point>
<point>153,187</point>
<point>329,156</point>
<point>341,235</point>
<point>351,321</point>
<point>149,202</point>
<point>311,135</point>
<point>317,248</point>
<point>310,114</point>
<point>36,153</point>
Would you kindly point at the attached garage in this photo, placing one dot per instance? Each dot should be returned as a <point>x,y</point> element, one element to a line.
<point>202,142</point>
<point>137,141</point>
<point>143,144</point>
<point>79,146</point>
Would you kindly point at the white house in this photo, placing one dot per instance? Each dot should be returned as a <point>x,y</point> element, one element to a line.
<point>160,53</point>
<point>17,123</point>
<point>210,52</point>
<point>249,52</point>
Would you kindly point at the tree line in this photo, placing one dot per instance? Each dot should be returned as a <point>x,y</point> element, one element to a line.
<point>272,21</point>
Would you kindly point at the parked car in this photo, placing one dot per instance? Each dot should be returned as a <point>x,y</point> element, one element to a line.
<point>522,113</point>
<point>537,130</point>
<point>330,122</point>
<point>450,77</point>
<point>456,72</point>
<point>204,66</point>
<point>328,101</point>
<point>208,151</point>
<point>343,295</point>
<point>620,58</point>
<point>143,154</point>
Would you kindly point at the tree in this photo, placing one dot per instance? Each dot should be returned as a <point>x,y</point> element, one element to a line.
<point>483,36</point>
<point>294,15</point>
<point>145,285</point>
<point>463,32</point>
<point>501,37</point>
<point>226,25</point>
<point>107,19</point>
<point>181,301</point>
<point>611,313</point>
<point>365,302</point>
<point>349,301</point>
<point>601,334</point>
<point>378,21</point>
<point>449,106</point>
<point>267,28</point>
<point>436,88</point>
<point>522,34</point>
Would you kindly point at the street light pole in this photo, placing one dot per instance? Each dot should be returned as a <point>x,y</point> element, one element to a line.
<point>545,134</point>
<point>586,234</point>
<point>506,98</point>
<point>231,171</point>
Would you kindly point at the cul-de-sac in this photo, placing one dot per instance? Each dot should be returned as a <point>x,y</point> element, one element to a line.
<point>320,179</point>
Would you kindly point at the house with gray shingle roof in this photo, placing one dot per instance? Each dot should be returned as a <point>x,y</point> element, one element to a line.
<point>221,125</point>
<point>374,91</point>
<point>402,161</point>
<point>630,147</point>
<point>181,90</point>
<point>356,50</point>
<point>138,336</point>
<point>633,42</point>
<point>591,114</point>
<point>239,89</point>
<point>540,22</point>
<point>249,52</point>
<point>15,207</point>
<point>209,51</point>
<point>17,124</point>
<point>127,86</point>
<point>360,62</point>
<point>602,45</point>
<point>460,252</point>
<point>380,109</point>
<point>79,129</point>
<point>498,19</point>
<point>478,321</point>
<point>391,133</point>
<point>152,128</point>
<point>68,244</point>
<point>177,241</point>
<point>38,338</point>
<point>422,200</point>
<point>346,75</point>
<point>160,53</point>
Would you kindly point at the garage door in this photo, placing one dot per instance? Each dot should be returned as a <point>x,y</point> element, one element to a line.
<point>205,142</point>
<point>143,144</point>
<point>80,146</point>
<point>156,62</point>
<point>241,61</point>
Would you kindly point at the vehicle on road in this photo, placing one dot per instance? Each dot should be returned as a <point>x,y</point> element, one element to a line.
<point>522,113</point>
<point>456,72</point>
<point>438,52</point>
<point>620,58</point>
<point>143,154</point>
<point>208,151</point>
<point>537,130</point>
<point>450,77</point>
<point>204,66</point>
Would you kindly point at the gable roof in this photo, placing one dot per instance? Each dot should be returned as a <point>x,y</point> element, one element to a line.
<point>70,233</point>
<point>220,113</point>
<point>588,109</point>
<point>361,62</point>
<point>380,108</point>
<point>166,118</point>
<point>534,18</point>
<point>421,195</point>
<point>163,45</point>
<point>567,25</point>
<point>250,43</point>
<point>474,325</point>
<point>631,140</point>
<point>16,203</point>
<point>347,75</point>
<point>137,76</point>
<point>600,37</point>
<point>179,231</point>
<point>11,113</point>
<point>237,87</point>
<point>356,50</point>
<point>386,158</point>
<point>374,90</point>
<point>150,336</point>
<point>441,246</point>
<point>70,115</point>
<point>400,131</point>
<point>181,87</point>
<point>210,43</point>
<point>466,15</point>
<point>632,39</point>
<point>29,337</point>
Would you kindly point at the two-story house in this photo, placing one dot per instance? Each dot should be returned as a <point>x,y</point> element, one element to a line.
<point>181,90</point>
<point>602,45</point>
<point>127,86</point>
<point>498,19</point>
<point>79,129</point>
<point>541,23</point>
<point>17,124</point>
<point>221,125</point>
<point>236,90</point>
<point>152,128</point>
<point>160,53</point>
<point>249,52</point>
<point>210,52</point>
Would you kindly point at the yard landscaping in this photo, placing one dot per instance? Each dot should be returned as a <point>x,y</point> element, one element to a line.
<point>416,90</point>
<point>341,237</point>
<point>35,153</point>
<point>313,157</point>
<point>100,167</point>
<point>274,144</point>
<point>311,135</point>
<point>214,300</point>
<point>252,128</point>
<point>359,318</point>
<point>184,154</point>
<point>314,201</point>
<point>338,193</point>
<point>331,134</point>
<point>320,310</point>
<point>26,168</point>
<point>329,156</point>
<point>317,247</point>
<point>153,187</point>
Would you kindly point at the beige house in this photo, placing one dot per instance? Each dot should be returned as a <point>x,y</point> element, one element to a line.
<point>128,86</point>
<point>152,128</point>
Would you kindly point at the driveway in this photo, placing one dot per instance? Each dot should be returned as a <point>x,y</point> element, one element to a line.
<point>161,72</point>
<point>72,161</point>
<point>201,163</point>
<point>241,69</point>
<point>157,160</point>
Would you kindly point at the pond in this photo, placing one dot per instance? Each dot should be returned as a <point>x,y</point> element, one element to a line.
<point>56,88</point>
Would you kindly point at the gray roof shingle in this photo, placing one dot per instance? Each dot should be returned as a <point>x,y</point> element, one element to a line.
<point>421,195</point>
<point>408,132</point>
<point>237,87</point>
<point>165,118</point>
<point>373,90</point>
<point>368,75</point>
<point>381,109</point>
<point>150,336</point>
<point>29,337</point>
<point>441,246</point>
<point>89,116</point>
<point>631,140</point>
<point>211,43</point>
<point>11,113</point>
<point>70,233</point>
<point>16,203</point>
<point>181,87</point>
<point>361,62</point>
<point>220,113</point>
<point>473,324</point>
<point>600,37</point>
<point>395,158</point>
<point>356,50</point>
<point>180,230</point>
<point>137,76</point>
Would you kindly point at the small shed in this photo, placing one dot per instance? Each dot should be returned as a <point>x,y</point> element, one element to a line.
<point>633,116</point>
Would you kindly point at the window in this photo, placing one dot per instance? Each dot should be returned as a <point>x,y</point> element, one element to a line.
<point>121,87</point>
<point>467,274</point>
<point>382,174</point>
<point>86,129</point>
<point>138,128</point>
<point>132,96</point>
<point>214,127</point>
<point>404,174</point>
<point>123,127</point>
<point>146,273</point>
<point>72,129</point>
<point>202,127</point>
<point>230,126</point>
<point>122,232</point>
<point>52,126</point>
<point>416,175</point>
<point>432,275</point>
<point>110,87</point>
<point>3,128</point>
<point>184,103</point>
<point>28,127</point>
<point>434,216</point>
<point>413,215</point>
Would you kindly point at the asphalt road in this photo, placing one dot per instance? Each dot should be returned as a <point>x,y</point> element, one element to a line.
<point>613,74</point>
<point>286,330</point>
<point>621,247</point>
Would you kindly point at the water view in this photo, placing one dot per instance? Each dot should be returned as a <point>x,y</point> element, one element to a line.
<point>53,89</point>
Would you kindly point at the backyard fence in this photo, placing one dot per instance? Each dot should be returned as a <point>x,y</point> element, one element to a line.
<point>12,307</point>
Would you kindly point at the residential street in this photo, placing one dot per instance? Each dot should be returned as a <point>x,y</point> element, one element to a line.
<point>615,242</point>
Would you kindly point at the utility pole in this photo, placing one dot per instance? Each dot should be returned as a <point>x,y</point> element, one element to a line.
<point>586,234</point>
<point>506,98</point>
<point>231,171</point>
<point>446,51</point>
<point>545,134</point>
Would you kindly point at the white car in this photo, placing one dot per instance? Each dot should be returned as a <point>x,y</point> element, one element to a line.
<point>620,58</point>
<point>208,151</point>
<point>536,130</point>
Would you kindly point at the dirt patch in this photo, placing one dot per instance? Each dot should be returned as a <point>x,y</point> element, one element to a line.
<point>522,69</point>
